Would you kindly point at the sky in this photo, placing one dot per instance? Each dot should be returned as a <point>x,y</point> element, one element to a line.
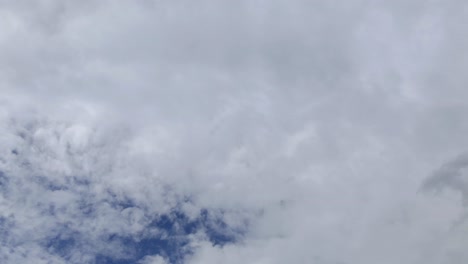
<point>249,131</point>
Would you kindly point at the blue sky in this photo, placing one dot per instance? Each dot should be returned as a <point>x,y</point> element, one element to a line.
<point>249,131</point>
<point>171,242</point>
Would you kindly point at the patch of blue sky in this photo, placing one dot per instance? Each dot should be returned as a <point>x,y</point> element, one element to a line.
<point>171,241</point>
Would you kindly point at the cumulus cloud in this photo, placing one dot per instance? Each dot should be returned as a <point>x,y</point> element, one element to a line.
<point>232,131</point>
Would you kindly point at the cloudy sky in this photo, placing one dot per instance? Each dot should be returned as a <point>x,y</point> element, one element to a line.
<point>248,131</point>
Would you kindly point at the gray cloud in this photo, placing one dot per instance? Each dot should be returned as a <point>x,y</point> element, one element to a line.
<point>451,175</point>
<point>308,125</point>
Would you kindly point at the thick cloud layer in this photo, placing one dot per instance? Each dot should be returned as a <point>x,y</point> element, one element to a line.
<point>233,132</point>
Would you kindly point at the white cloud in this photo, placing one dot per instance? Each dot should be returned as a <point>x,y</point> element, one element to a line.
<point>153,260</point>
<point>310,124</point>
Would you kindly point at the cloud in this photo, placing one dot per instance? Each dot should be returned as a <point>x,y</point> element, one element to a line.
<point>450,175</point>
<point>220,131</point>
<point>153,260</point>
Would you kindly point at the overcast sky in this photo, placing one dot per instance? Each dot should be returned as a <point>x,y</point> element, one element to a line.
<point>247,131</point>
